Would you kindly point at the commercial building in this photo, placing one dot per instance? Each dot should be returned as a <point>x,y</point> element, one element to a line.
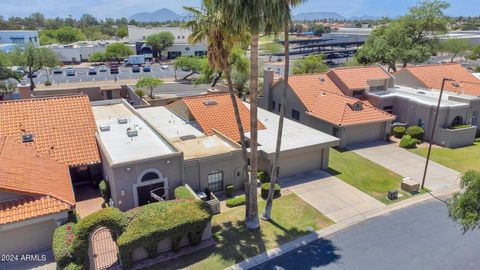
<point>79,51</point>
<point>14,38</point>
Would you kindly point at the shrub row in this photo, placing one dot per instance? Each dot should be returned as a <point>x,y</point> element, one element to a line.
<point>62,241</point>
<point>182,193</point>
<point>264,190</point>
<point>236,201</point>
<point>409,142</point>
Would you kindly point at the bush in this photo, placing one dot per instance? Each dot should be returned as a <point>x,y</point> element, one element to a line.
<point>105,190</point>
<point>409,142</point>
<point>229,190</point>
<point>399,131</point>
<point>236,201</point>
<point>48,83</point>
<point>264,190</point>
<point>61,246</point>
<point>263,177</point>
<point>182,193</point>
<point>415,132</point>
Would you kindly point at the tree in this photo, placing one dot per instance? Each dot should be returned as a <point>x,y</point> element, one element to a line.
<point>98,57</point>
<point>272,48</point>
<point>213,23</point>
<point>465,207</point>
<point>38,19</point>
<point>193,64</point>
<point>310,64</point>
<point>160,42</point>
<point>149,83</point>
<point>284,8</point>
<point>122,31</point>
<point>320,29</point>
<point>118,51</point>
<point>409,39</point>
<point>455,47</point>
<point>6,71</point>
<point>31,60</point>
<point>67,34</point>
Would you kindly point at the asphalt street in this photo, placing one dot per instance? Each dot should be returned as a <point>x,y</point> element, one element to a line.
<point>419,237</point>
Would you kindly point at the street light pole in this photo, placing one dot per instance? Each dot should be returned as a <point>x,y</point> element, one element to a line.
<point>433,129</point>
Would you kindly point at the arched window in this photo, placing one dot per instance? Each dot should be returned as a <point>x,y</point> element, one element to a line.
<point>150,176</point>
<point>457,121</point>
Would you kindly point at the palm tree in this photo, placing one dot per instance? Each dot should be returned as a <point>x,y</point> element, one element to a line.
<point>210,23</point>
<point>149,83</point>
<point>285,7</point>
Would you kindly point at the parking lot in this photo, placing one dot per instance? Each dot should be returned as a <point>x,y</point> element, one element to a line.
<point>125,73</point>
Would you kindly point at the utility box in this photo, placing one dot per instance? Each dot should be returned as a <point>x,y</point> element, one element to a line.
<point>410,186</point>
<point>392,195</point>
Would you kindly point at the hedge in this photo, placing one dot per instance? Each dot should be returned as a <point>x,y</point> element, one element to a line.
<point>229,190</point>
<point>157,221</point>
<point>182,193</point>
<point>264,190</point>
<point>236,201</point>
<point>61,246</point>
<point>105,190</point>
<point>263,177</point>
<point>399,131</point>
<point>415,132</point>
<point>409,142</point>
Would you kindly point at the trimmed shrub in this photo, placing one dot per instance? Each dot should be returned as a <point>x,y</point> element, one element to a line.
<point>61,246</point>
<point>105,190</point>
<point>409,142</point>
<point>263,177</point>
<point>264,190</point>
<point>399,131</point>
<point>415,132</point>
<point>236,201</point>
<point>48,83</point>
<point>182,193</point>
<point>175,219</point>
<point>229,190</point>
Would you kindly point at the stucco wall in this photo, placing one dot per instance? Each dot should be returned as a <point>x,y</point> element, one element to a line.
<point>455,138</point>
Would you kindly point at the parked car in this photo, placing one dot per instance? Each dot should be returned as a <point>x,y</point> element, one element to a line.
<point>92,71</point>
<point>57,70</point>
<point>146,69</point>
<point>330,63</point>
<point>102,68</point>
<point>70,71</point>
<point>164,66</point>
<point>114,69</point>
<point>135,69</point>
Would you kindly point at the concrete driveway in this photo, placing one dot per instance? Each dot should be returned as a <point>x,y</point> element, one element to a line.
<point>408,164</point>
<point>330,195</point>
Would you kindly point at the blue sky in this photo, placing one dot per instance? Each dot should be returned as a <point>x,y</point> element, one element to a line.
<point>119,8</point>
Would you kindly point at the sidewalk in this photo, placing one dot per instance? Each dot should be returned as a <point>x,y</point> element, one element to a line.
<point>270,254</point>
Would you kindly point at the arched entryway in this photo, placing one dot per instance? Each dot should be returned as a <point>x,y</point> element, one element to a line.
<point>458,120</point>
<point>150,187</point>
<point>104,250</point>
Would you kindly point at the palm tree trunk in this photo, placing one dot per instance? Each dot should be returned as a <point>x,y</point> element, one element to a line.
<point>242,137</point>
<point>267,212</point>
<point>252,222</point>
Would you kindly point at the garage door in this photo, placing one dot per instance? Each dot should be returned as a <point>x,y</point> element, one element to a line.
<point>28,239</point>
<point>293,164</point>
<point>364,133</point>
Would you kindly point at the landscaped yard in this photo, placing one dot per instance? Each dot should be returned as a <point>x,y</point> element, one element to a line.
<point>292,218</point>
<point>459,159</point>
<point>364,174</point>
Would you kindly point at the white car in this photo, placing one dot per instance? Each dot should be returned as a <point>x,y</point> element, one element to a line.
<point>164,66</point>
<point>102,68</point>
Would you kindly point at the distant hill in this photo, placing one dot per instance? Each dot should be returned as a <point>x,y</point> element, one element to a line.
<point>310,16</point>
<point>161,15</point>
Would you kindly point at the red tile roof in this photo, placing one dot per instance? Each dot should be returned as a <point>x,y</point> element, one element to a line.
<point>432,75</point>
<point>322,99</point>
<point>358,77</point>
<point>63,127</point>
<point>42,184</point>
<point>215,112</point>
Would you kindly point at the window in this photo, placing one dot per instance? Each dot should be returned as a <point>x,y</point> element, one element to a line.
<point>388,109</point>
<point>358,93</point>
<point>150,176</point>
<point>377,88</point>
<point>279,107</point>
<point>273,105</point>
<point>296,115</point>
<point>215,181</point>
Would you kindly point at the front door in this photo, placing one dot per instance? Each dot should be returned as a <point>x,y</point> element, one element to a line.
<point>144,193</point>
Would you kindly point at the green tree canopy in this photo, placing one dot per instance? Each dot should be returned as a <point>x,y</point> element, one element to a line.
<point>465,207</point>
<point>193,64</point>
<point>455,47</point>
<point>98,57</point>
<point>160,42</point>
<point>118,51</point>
<point>122,31</point>
<point>149,83</point>
<point>67,34</point>
<point>309,64</point>
<point>320,29</point>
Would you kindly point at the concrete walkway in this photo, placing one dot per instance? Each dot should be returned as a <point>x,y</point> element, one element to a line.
<point>408,164</point>
<point>330,195</point>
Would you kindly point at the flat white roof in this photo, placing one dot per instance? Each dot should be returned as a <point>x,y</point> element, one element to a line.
<point>295,135</point>
<point>423,96</point>
<point>120,147</point>
<point>185,135</point>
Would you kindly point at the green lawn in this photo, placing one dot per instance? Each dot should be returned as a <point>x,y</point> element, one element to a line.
<point>460,159</point>
<point>365,175</point>
<point>292,217</point>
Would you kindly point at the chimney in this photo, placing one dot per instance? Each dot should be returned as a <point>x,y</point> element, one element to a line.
<point>268,76</point>
<point>24,90</point>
